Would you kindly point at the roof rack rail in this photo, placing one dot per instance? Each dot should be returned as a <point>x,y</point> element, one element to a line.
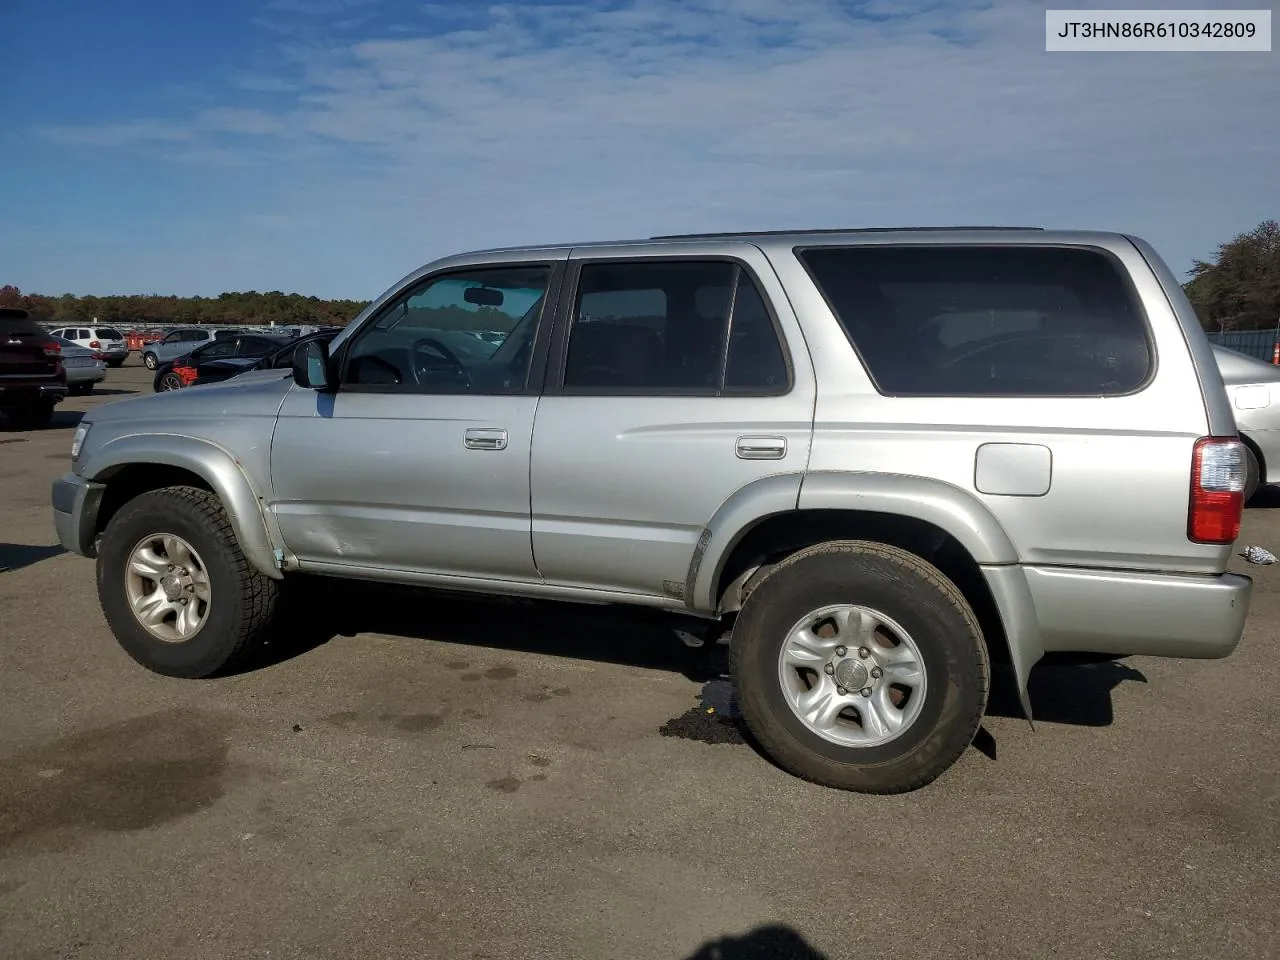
<point>785,233</point>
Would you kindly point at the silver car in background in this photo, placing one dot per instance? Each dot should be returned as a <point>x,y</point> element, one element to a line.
<point>85,368</point>
<point>1254,388</point>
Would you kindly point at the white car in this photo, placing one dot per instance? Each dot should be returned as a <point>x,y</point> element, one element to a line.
<point>1254,388</point>
<point>84,368</point>
<point>107,341</point>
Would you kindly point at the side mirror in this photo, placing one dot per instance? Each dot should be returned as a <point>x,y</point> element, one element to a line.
<point>311,365</point>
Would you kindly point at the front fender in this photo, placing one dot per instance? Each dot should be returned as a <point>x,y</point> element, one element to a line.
<point>217,466</point>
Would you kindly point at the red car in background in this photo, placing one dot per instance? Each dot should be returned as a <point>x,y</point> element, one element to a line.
<point>136,339</point>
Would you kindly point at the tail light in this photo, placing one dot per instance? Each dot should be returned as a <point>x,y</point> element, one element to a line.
<point>52,349</point>
<point>95,345</point>
<point>1217,490</point>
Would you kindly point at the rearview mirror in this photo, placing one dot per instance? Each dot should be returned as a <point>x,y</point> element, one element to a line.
<point>483,296</point>
<point>311,365</point>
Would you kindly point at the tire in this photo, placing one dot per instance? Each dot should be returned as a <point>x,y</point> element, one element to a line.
<point>241,602</point>
<point>939,716</point>
<point>168,381</point>
<point>149,360</point>
<point>114,364</point>
<point>32,416</point>
<point>1252,473</point>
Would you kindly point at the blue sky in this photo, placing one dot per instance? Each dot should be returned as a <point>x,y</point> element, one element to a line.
<point>331,146</point>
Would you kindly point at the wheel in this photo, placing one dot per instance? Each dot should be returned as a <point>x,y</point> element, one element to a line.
<point>1252,473</point>
<point>860,666</point>
<point>170,381</point>
<point>32,416</point>
<point>175,589</point>
<point>149,360</point>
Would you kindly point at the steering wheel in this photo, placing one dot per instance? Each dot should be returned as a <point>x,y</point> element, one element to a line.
<point>422,371</point>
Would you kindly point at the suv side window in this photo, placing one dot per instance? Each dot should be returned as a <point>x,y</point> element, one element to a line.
<point>470,331</point>
<point>672,327</point>
<point>214,349</point>
<point>973,321</point>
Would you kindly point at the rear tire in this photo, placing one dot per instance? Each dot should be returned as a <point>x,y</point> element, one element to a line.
<point>1252,473</point>
<point>149,360</point>
<point>31,417</point>
<point>901,600</point>
<point>241,602</point>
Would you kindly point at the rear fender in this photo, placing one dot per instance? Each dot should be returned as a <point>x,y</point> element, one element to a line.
<point>943,505</point>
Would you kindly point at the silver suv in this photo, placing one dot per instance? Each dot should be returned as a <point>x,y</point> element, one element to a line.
<point>880,460</point>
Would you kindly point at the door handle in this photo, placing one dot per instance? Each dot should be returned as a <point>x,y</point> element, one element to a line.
<point>485,438</point>
<point>762,448</point>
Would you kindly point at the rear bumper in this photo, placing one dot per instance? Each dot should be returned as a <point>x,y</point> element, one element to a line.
<point>75,512</point>
<point>27,392</point>
<point>1148,614</point>
<point>85,375</point>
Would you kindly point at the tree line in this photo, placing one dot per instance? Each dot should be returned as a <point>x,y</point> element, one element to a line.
<point>251,307</point>
<point>1239,289</point>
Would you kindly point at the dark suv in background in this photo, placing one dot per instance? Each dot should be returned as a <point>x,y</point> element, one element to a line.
<point>32,379</point>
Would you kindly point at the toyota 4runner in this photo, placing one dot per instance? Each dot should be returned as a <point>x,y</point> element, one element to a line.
<point>881,459</point>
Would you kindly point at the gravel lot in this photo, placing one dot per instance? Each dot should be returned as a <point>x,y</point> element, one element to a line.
<point>465,779</point>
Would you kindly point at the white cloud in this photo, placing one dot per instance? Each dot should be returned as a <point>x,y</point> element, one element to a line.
<point>529,121</point>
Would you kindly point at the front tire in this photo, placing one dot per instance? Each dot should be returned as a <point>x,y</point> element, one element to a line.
<point>178,594</point>
<point>860,666</point>
<point>149,361</point>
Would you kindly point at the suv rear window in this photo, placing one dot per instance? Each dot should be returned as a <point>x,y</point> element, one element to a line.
<point>14,324</point>
<point>987,321</point>
<point>109,333</point>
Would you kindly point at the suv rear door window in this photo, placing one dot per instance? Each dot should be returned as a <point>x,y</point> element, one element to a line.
<point>970,321</point>
<point>109,333</point>
<point>659,328</point>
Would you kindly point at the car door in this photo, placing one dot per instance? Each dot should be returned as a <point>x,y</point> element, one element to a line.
<point>670,388</point>
<point>418,460</point>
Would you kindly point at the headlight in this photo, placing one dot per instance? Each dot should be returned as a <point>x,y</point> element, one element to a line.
<point>77,439</point>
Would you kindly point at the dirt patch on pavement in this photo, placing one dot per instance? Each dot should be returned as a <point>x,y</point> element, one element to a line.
<point>126,776</point>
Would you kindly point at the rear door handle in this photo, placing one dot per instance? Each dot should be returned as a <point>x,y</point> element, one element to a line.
<point>485,438</point>
<point>762,448</point>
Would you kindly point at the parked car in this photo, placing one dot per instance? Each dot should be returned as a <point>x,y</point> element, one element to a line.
<point>180,342</point>
<point>1254,388</point>
<point>245,348</point>
<point>218,370</point>
<point>878,460</point>
<point>107,341</point>
<point>85,368</point>
<point>32,378</point>
<point>138,339</point>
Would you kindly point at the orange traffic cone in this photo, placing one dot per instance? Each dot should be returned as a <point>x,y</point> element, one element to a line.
<point>1275,354</point>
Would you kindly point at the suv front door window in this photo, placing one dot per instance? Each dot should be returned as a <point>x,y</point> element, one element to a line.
<point>433,411</point>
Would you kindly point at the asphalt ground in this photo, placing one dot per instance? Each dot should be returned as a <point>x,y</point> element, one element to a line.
<point>451,778</point>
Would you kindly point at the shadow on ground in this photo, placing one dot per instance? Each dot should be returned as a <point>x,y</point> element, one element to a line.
<point>1065,689</point>
<point>15,556</point>
<point>319,610</point>
<point>764,943</point>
